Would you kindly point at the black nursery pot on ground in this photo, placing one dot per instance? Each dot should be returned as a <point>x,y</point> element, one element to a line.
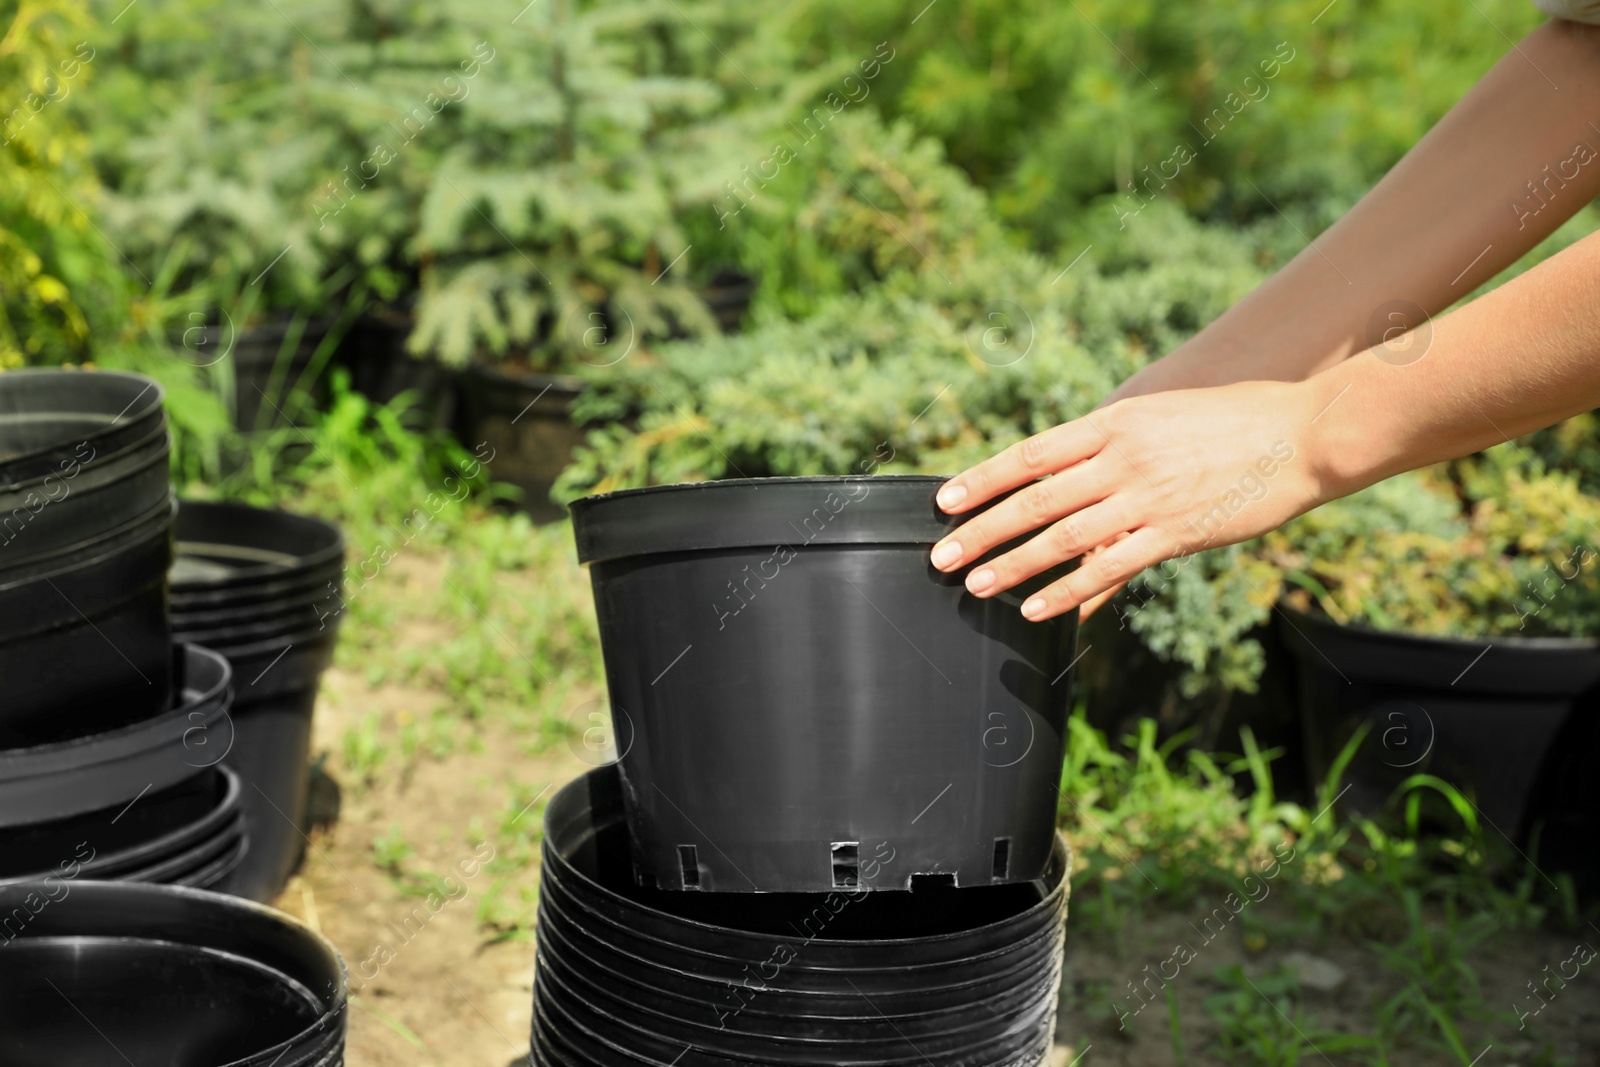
<point>163,974</point>
<point>1480,714</point>
<point>794,688</point>
<point>262,588</point>
<point>526,418</point>
<point>85,541</point>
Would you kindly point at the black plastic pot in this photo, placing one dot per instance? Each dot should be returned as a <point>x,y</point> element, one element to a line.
<point>1479,714</point>
<point>526,419</point>
<point>82,453</point>
<point>86,774</point>
<point>163,974</point>
<point>271,360</point>
<point>236,561</point>
<point>85,643</point>
<point>728,296</point>
<point>627,974</point>
<point>85,540</point>
<point>792,682</point>
<point>272,713</point>
<point>188,834</point>
<point>262,587</point>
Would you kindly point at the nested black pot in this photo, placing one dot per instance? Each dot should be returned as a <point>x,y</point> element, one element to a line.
<point>85,541</point>
<point>82,775</point>
<point>262,587</point>
<point>163,974</point>
<point>793,686</point>
<point>272,718</point>
<point>631,974</point>
<point>191,833</point>
<point>1481,714</point>
<point>238,564</point>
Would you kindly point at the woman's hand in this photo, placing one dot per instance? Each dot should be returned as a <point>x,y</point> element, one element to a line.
<point>1142,480</point>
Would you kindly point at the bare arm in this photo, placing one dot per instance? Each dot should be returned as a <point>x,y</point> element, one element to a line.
<point>1453,213</point>
<point>1162,473</point>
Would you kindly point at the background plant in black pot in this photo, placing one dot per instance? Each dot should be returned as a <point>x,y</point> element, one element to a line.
<point>549,221</point>
<point>1493,545</point>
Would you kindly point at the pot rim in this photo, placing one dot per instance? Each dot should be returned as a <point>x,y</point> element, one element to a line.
<point>1536,643</point>
<point>733,513</point>
<point>131,902</point>
<point>25,461</point>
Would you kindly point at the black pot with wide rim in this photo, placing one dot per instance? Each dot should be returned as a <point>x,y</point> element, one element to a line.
<point>935,975</point>
<point>792,681</point>
<point>163,974</point>
<point>262,587</point>
<point>191,833</point>
<point>79,775</point>
<point>1481,714</point>
<point>85,541</point>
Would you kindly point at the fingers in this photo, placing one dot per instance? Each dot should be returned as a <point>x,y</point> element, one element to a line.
<point>1056,497</point>
<point>1070,538</point>
<point>1095,603</point>
<point>1043,453</point>
<point>1100,574</point>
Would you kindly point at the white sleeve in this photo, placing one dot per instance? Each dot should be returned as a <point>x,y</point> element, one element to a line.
<point>1576,10</point>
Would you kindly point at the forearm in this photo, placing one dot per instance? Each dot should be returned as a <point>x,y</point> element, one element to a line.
<point>1454,212</point>
<point>1516,359</point>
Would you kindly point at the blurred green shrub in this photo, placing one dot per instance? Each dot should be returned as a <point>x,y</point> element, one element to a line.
<point>1496,544</point>
<point>51,259</point>
<point>952,356</point>
<point>1054,106</point>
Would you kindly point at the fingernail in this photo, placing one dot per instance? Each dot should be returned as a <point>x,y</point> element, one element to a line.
<point>978,581</point>
<point>951,494</point>
<point>1033,608</point>
<point>947,554</point>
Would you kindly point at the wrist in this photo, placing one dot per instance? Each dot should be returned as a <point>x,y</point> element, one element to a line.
<point>1343,453</point>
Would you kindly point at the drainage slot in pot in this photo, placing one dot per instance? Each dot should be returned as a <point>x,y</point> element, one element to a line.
<point>1002,858</point>
<point>846,871</point>
<point>934,880</point>
<point>689,864</point>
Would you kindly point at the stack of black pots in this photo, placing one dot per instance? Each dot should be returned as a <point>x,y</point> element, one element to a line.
<point>117,812</point>
<point>109,730</point>
<point>262,588</point>
<point>829,837</point>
